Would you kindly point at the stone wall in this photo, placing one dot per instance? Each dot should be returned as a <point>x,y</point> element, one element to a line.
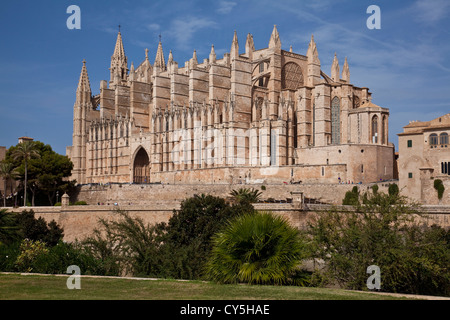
<point>148,194</point>
<point>79,222</point>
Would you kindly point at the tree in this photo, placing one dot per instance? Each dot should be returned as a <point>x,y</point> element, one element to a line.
<point>257,248</point>
<point>25,151</point>
<point>46,174</point>
<point>187,235</point>
<point>246,195</point>
<point>38,229</point>
<point>8,173</point>
<point>382,231</point>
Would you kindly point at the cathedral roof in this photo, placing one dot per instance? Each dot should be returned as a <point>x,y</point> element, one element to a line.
<point>370,104</point>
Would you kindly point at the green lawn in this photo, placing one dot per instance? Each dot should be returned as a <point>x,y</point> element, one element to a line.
<point>48,287</point>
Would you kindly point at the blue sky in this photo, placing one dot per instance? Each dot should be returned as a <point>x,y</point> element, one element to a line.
<point>405,64</point>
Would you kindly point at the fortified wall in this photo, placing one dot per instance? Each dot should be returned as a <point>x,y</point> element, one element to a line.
<point>155,204</point>
<point>148,194</point>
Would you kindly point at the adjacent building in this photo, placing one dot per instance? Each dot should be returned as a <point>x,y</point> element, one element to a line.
<point>424,156</point>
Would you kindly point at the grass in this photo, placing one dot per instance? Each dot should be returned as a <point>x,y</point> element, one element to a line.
<point>50,287</point>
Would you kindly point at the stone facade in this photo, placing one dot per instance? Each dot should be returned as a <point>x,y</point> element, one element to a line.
<point>262,115</point>
<point>424,156</point>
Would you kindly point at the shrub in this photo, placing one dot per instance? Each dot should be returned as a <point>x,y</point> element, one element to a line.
<point>8,256</point>
<point>375,188</point>
<point>393,189</point>
<point>246,195</point>
<point>439,186</point>
<point>59,257</point>
<point>258,248</point>
<point>80,203</point>
<point>29,251</point>
<point>351,197</point>
<point>382,231</point>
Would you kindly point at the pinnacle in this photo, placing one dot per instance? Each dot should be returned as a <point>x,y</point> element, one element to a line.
<point>83,83</point>
<point>159,60</point>
<point>275,38</point>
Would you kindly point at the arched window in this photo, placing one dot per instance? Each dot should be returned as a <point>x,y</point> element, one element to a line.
<point>375,129</point>
<point>443,138</point>
<point>335,121</point>
<point>433,139</point>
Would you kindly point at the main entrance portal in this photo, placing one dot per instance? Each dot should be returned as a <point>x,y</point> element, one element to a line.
<point>141,173</point>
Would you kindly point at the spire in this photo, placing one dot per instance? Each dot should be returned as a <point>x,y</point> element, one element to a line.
<point>83,83</point>
<point>346,72</point>
<point>212,55</point>
<point>119,64</point>
<point>335,69</point>
<point>249,46</point>
<point>234,53</point>
<point>159,60</point>
<point>119,51</point>
<point>83,95</point>
<point>275,41</point>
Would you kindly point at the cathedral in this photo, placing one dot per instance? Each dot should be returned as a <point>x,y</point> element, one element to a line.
<point>252,116</point>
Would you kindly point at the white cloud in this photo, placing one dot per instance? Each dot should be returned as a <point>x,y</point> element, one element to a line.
<point>183,30</point>
<point>153,27</point>
<point>225,7</point>
<point>431,11</point>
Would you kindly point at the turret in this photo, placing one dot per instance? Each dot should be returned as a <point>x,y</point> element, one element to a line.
<point>81,108</point>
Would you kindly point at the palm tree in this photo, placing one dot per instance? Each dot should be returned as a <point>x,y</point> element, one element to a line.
<point>244,194</point>
<point>258,248</point>
<point>25,151</point>
<point>7,172</point>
